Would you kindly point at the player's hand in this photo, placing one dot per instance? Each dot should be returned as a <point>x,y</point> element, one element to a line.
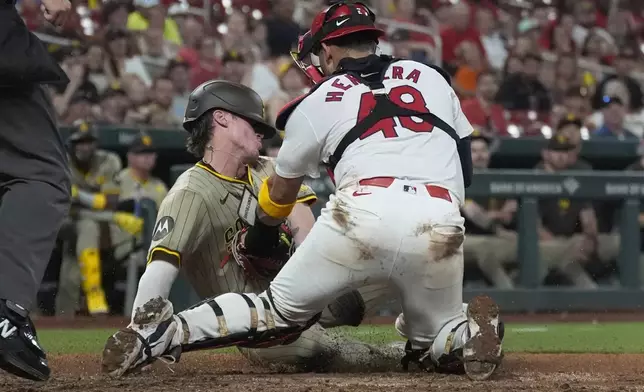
<point>130,223</point>
<point>56,11</point>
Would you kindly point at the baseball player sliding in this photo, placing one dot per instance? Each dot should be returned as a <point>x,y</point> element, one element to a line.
<point>394,137</point>
<point>199,226</point>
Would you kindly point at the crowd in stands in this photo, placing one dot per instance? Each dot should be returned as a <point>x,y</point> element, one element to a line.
<point>565,70</point>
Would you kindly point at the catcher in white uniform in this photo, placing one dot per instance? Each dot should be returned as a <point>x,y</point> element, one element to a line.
<point>396,141</point>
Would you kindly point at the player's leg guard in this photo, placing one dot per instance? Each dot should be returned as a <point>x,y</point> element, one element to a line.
<point>90,267</point>
<point>232,319</point>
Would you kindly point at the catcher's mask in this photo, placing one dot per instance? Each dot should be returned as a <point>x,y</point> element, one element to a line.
<point>338,20</point>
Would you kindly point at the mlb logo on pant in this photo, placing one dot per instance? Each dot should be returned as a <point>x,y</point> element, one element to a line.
<point>409,189</point>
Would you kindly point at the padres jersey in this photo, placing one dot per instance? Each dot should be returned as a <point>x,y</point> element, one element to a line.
<point>132,188</point>
<point>401,147</point>
<point>102,173</point>
<point>198,220</point>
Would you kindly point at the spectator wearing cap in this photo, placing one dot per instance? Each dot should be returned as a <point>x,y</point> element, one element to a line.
<point>151,13</point>
<point>136,180</point>
<point>121,59</point>
<point>178,72</point>
<point>523,91</point>
<point>489,244</point>
<point>281,31</point>
<point>614,114</point>
<point>624,64</point>
<point>460,29</point>
<point>570,128</point>
<point>562,246</point>
<point>482,111</point>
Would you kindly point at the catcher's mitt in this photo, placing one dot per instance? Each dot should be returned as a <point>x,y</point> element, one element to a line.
<point>263,267</point>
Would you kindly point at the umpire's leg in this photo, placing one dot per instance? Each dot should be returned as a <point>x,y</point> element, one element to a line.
<point>31,213</point>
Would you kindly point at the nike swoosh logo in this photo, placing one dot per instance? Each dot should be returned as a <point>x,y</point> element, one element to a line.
<point>223,200</point>
<point>367,75</point>
<point>341,22</point>
<point>356,193</point>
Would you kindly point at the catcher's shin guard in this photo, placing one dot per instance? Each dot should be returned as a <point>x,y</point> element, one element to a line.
<point>254,337</point>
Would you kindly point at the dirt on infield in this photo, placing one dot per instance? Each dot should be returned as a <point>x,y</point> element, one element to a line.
<point>230,372</point>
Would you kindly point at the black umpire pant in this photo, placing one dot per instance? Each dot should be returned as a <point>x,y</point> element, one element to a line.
<point>34,191</point>
<point>34,175</point>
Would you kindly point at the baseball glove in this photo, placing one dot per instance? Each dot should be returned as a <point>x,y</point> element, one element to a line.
<point>263,267</point>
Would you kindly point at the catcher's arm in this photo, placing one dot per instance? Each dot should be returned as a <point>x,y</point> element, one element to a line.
<point>300,222</point>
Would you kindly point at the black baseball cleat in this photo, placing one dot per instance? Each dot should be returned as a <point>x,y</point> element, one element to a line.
<point>20,353</point>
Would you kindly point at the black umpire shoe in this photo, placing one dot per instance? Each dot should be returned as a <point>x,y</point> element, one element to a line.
<point>20,353</point>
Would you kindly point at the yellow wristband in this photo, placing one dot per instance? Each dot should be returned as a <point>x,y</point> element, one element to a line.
<point>99,202</point>
<point>272,209</point>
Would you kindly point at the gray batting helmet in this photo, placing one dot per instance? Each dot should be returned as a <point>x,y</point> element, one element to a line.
<point>231,97</point>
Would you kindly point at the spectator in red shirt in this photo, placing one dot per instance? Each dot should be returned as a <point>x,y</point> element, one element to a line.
<point>481,110</point>
<point>460,30</point>
<point>208,65</point>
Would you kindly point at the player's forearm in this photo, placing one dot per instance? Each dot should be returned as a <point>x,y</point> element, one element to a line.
<point>99,216</point>
<point>156,281</point>
<point>300,221</point>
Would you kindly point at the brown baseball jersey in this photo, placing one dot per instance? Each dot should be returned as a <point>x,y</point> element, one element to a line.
<point>198,220</point>
<point>131,187</point>
<point>102,173</point>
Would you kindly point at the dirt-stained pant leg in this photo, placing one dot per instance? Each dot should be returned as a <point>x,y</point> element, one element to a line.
<point>492,254</point>
<point>559,253</point>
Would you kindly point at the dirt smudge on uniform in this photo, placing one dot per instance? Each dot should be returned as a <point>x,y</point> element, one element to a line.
<point>442,245</point>
<point>341,215</point>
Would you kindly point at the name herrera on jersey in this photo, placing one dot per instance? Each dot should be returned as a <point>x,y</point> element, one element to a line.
<point>343,83</point>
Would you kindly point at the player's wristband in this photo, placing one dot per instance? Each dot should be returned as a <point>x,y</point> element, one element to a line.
<point>272,209</point>
<point>96,201</point>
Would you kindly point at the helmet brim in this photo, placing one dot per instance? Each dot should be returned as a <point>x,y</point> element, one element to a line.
<point>258,123</point>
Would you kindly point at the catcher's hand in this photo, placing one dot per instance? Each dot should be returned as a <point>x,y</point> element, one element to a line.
<point>271,261</point>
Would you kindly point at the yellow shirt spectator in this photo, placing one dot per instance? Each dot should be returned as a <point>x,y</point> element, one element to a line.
<point>136,22</point>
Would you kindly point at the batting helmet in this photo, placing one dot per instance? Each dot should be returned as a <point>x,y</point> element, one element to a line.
<point>83,132</point>
<point>338,20</point>
<point>231,97</point>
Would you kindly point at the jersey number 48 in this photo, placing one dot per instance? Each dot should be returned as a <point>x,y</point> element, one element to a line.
<point>406,96</point>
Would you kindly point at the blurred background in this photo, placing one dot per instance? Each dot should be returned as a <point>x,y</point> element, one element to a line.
<point>550,86</point>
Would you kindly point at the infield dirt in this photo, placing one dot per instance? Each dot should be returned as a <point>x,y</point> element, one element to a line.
<point>230,372</point>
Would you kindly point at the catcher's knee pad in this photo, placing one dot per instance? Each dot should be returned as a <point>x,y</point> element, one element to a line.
<point>348,309</point>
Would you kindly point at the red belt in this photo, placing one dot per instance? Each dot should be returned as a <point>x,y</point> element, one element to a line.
<point>385,182</point>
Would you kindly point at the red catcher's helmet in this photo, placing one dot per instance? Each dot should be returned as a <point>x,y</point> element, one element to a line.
<point>340,19</point>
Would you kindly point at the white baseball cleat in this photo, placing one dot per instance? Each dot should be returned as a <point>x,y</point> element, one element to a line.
<point>148,337</point>
<point>482,353</point>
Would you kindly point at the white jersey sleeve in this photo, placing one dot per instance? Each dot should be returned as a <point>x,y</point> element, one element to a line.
<point>299,155</point>
<point>462,125</point>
